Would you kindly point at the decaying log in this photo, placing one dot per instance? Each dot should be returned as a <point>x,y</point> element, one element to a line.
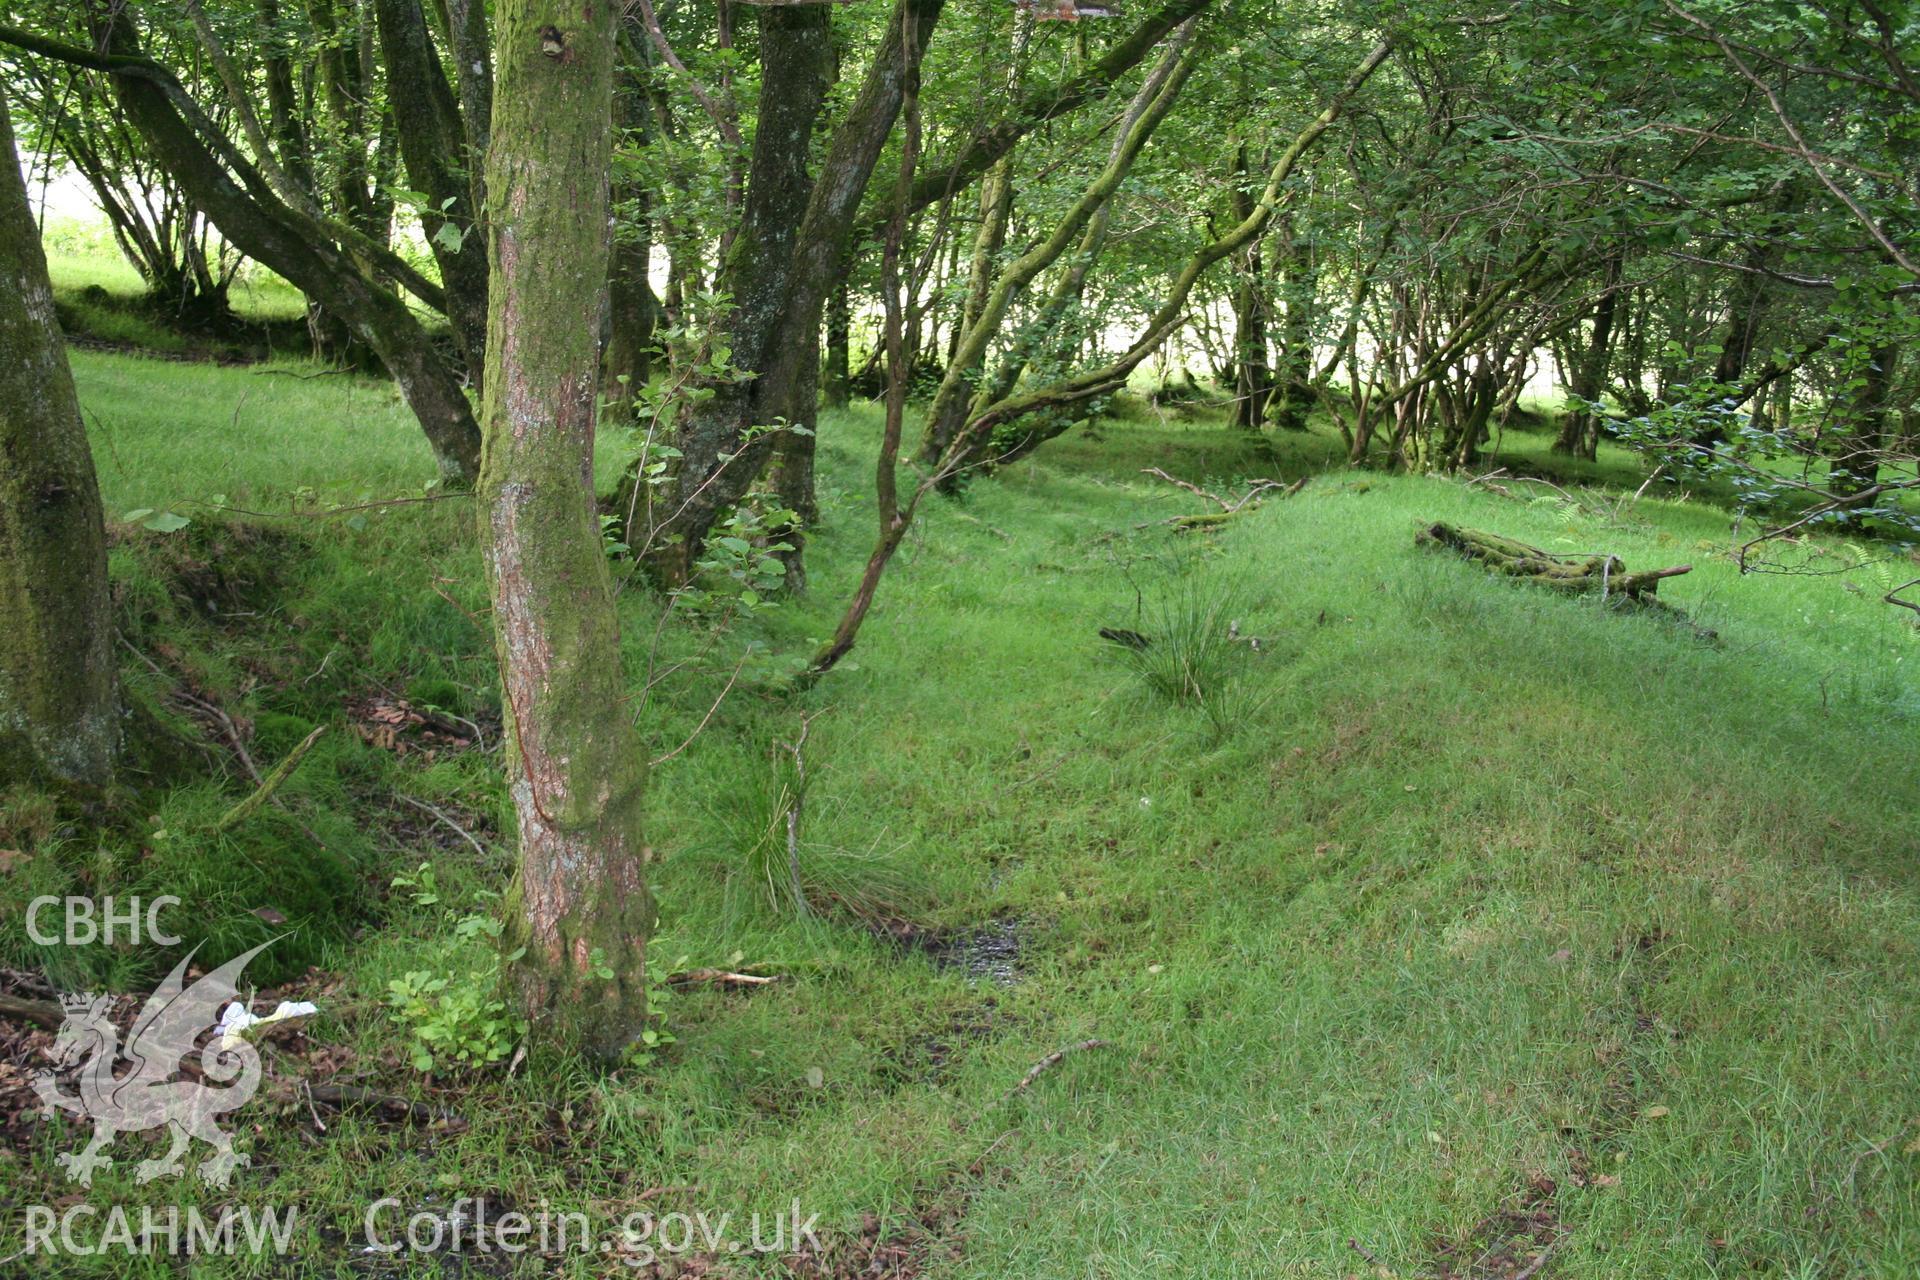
<point>1606,574</point>
<point>42,1013</point>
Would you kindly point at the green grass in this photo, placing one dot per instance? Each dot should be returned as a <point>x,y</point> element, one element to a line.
<point>1479,888</point>
<point>82,255</point>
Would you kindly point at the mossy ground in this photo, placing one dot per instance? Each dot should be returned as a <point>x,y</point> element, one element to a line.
<point>1482,919</point>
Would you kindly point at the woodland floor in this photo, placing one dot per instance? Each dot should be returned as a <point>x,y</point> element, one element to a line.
<point>1467,925</point>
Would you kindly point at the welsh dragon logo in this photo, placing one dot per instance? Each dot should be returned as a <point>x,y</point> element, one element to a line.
<point>153,1092</point>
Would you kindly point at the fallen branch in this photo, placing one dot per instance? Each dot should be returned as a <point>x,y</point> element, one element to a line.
<point>39,1012</point>
<point>719,978</point>
<point>1054,1059</point>
<point>1605,573</point>
<point>1194,489</point>
<point>439,815</point>
<point>264,792</point>
<point>1893,597</point>
<point>1248,501</point>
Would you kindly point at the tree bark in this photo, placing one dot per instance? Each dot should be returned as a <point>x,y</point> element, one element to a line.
<point>58,714</point>
<point>1293,395</point>
<point>837,388</point>
<point>1580,431</point>
<point>774,331</point>
<point>1252,362</point>
<point>579,911</point>
<point>434,143</point>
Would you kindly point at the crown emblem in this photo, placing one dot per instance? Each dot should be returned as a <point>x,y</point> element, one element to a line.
<point>77,1001</point>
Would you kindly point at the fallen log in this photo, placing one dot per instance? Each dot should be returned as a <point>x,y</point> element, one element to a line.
<point>1606,574</point>
<point>41,1013</point>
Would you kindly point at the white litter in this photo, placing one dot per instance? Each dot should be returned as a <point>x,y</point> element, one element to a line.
<point>236,1021</point>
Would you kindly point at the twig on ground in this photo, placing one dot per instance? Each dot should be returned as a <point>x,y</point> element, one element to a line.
<point>1533,1268</point>
<point>220,718</point>
<point>1212,519</point>
<point>307,1089</point>
<point>719,978</point>
<point>1195,489</point>
<point>1054,1059</point>
<point>1259,489</point>
<point>439,815</point>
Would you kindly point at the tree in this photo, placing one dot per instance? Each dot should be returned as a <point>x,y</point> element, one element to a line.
<point>262,209</point>
<point>799,224</point>
<point>579,911</point>
<point>58,710</point>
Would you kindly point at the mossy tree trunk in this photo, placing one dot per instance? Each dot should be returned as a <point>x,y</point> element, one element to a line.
<point>1293,396</point>
<point>1862,448</point>
<point>434,141</point>
<point>1252,363</point>
<point>58,718</point>
<point>1580,430</point>
<point>579,905</point>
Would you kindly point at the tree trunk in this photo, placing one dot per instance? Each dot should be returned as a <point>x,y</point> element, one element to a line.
<point>1751,298</point>
<point>969,443</point>
<point>579,905</point>
<point>58,718</point>
<point>633,310</point>
<point>837,385</point>
<point>433,140</point>
<point>257,222</point>
<point>961,380</point>
<point>784,298</point>
<point>473,73</point>
<point>1580,429</point>
<point>363,307</point>
<point>1252,365</point>
<point>1861,450</point>
<point>1293,396</point>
